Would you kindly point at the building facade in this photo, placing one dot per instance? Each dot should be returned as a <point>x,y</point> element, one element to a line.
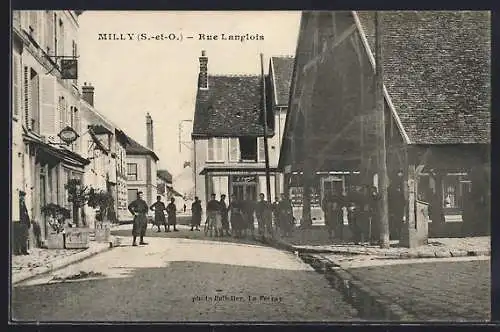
<point>228,133</point>
<point>142,168</point>
<point>436,93</point>
<point>43,103</point>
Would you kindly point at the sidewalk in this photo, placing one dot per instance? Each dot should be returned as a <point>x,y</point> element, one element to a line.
<point>41,261</point>
<point>315,240</point>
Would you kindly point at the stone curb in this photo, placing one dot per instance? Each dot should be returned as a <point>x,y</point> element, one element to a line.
<point>62,263</point>
<point>406,255</point>
<point>368,303</point>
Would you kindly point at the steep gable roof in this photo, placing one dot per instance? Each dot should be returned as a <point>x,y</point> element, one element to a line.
<point>134,148</point>
<point>230,107</point>
<point>437,72</point>
<point>282,70</point>
<point>164,175</point>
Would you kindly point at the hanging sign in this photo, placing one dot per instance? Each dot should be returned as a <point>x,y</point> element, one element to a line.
<point>68,135</point>
<point>69,69</point>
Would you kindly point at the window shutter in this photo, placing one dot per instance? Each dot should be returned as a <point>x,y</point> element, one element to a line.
<point>16,93</point>
<point>48,106</point>
<point>68,113</point>
<point>62,113</point>
<point>49,32</point>
<point>26,97</point>
<point>234,149</point>
<point>262,154</point>
<point>220,149</point>
<point>210,149</point>
<point>77,129</point>
<point>35,102</point>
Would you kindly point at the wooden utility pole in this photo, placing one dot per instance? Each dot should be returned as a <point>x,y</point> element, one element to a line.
<point>383,213</point>
<point>266,150</point>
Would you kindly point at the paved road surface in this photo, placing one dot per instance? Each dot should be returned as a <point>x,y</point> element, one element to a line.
<point>173,279</point>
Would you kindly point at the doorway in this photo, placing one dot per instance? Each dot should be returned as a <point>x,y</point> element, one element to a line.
<point>43,202</point>
<point>244,187</point>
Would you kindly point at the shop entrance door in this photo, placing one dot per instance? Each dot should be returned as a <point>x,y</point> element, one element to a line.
<point>244,187</point>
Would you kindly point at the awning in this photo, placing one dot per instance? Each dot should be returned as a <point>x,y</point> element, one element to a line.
<point>97,141</point>
<point>60,153</point>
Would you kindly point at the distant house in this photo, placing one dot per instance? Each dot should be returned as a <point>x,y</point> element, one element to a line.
<point>141,167</point>
<point>228,132</point>
<point>437,109</point>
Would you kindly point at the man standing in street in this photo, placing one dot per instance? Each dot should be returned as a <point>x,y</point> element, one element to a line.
<point>196,210</point>
<point>21,238</point>
<point>213,215</point>
<point>285,212</point>
<point>158,207</point>
<point>263,212</point>
<point>171,215</point>
<point>139,209</point>
<point>224,216</point>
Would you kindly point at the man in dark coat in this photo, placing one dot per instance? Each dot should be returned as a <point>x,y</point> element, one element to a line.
<point>213,215</point>
<point>237,222</point>
<point>196,211</point>
<point>158,207</point>
<point>263,212</point>
<point>223,213</point>
<point>21,241</point>
<point>374,198</point>
<point>285,212</point>
<point>171,215</point>
<point>139,209</point>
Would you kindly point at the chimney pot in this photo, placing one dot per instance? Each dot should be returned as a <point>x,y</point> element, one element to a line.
<point>203,53</point>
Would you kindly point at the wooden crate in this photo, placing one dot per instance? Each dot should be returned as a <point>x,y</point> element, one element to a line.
<point>77,238</point>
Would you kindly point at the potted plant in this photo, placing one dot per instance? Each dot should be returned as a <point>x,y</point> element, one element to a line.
<point>76,236</point>
<point>102,200</point>
<point>56,216</point>
<point>78,197</point>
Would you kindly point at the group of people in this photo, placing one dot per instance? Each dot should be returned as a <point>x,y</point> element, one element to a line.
<point>359,208</point>
<point>139,209</point>
<point>237,218</point>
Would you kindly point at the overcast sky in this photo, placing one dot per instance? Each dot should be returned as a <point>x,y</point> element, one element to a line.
<point>133,77</point>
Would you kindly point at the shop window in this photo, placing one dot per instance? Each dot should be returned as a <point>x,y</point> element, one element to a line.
<point>455,189</point>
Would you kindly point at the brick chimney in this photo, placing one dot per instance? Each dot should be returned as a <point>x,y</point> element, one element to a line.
<point>149,132</point>
<point>88,93</point>
<point>203,76</point>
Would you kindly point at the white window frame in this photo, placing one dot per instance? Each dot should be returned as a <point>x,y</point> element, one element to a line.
<point>219,150</point>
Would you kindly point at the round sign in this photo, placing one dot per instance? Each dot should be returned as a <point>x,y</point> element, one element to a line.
<point>68,135</point>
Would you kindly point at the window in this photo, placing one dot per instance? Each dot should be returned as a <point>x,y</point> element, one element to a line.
<point>216,149</point>
<point>248,148</point>
<point>60,39</point>
<point>33,25</point>
<point>132,172</point>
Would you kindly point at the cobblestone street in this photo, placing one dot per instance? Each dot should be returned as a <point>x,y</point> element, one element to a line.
<point>174,280</point>
<point>444,291</point>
